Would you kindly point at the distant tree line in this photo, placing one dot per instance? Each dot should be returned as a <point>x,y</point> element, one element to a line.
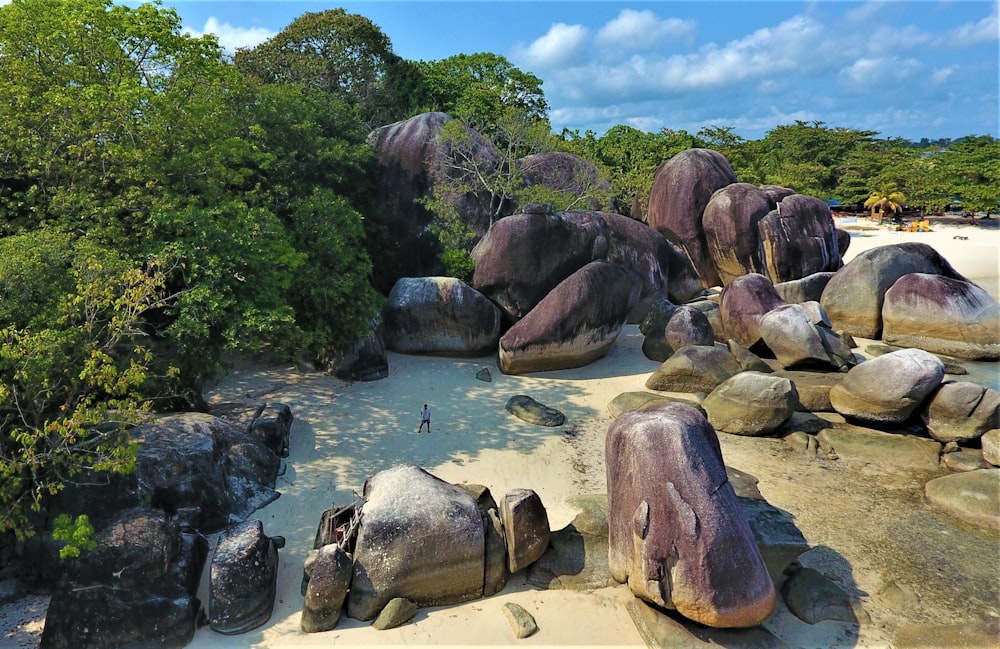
<point>162,203</point>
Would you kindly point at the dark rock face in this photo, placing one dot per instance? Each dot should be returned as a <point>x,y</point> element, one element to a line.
<point>576,323</point>
<point>731,233</point>
<point>526,527</point>
<point>743,302</point>
<point>524,256</point>
<point>854,296</point>
<point>888,389</point>
<point>563,171</point>
<point>525,408</point>
<point>813,597</point>
<point>798,239</point>
<point>427,546</point>
<point>942,315</point>
<point>681,189</point>
<point>684,282</point>
<point>440,315</point>
<point>136,548</point>
<point>243,579</point>
<point>843,241</point>
<point>362,360</point>
<point>677,535</point>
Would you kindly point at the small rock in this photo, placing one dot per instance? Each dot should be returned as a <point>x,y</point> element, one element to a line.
<point>801,442</point>
<point>965,460</point>
<point>533,412</point>
<point>397,612</point>
<point>521,622</point>
<point>484,375</point>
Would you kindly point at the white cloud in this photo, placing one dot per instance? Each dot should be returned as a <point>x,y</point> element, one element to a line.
<point>986,30</point>
<point>633,30</point>
<point>882,73</point>
<point>561,45</point>
<point>942,75</point>
<point>232,38</point>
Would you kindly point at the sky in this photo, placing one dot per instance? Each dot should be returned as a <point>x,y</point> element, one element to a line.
<point>909,69</point>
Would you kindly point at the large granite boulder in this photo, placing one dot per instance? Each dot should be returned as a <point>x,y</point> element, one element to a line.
<point>566,172</point>
<point>682,187</point>
<point>440,315</point>
<point>524,256</point>
<point>854,296</point>
<point>743,302</point>
<point>575,324</point>
<point>942,315</point>
<point>798,239</point>
<point>694,368</point>
<point>731,235</point>
<point>798,341</point>
<point>751,403</point>
<point>362,360</point>
<point>684,282</point>
<point>888,389</point>
<point>243,579</point>
<point>677,535</point>
<point>534,412</point>
<point>961,411</point>
<point>526,527</point>
<point>420,538</point>
<point>645,252</point>
<point>137,547</point>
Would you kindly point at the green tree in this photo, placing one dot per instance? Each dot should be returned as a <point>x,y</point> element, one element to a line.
<point>808,156</point>
<point>886,200</point>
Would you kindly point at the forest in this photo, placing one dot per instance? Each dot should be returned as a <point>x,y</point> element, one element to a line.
<point>163,203</point>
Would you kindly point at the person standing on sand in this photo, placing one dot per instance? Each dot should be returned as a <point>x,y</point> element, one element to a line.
<point>425,418</point>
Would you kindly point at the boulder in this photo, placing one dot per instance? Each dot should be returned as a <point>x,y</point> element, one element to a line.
<point>843,240</point>
<point>684,282</point>
<point>566,172</point>
<point>813,388</point>
<point>329,581</point>
<point>710,309</point>
<point>243,579</point>
<point>797,239</point>
<point>991,446</point>
<point>440,315</point>
<point>682,187</point>
<point>943,316</point>
<point>362,360</point>
<point>527,409</point>
<point>743,302</point>
<point>751,403</point>
<point>495,574</point>
<point>526,527</point>
<point>888,451</point>
<point>887,389</point>
<point>972,497</point>
<point>677,535</point>
<point>524,256</point>
<point>789,332</point>
<point>961,411</point>
<point>730,224</point>
<point>748,361</point>
<point>627,401</point>
<point>688,326</point>
<point>776,193</point>
<point>854,296</point>
<point>813,598</point>
<point>397,612</point>
<point>575,324</point>
<point>964,459</point>
<point>428,546</point>
<point>271,423</point>
<point>694,368</point>
<point>645,252</point>
<point>656,318</point>
<point>807,289</point>
<point>136,548</point>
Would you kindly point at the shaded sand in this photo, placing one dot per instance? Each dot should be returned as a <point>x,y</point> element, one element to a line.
<point>867,524</point>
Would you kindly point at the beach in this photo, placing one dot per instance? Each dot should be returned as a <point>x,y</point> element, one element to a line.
<point>862,521</point>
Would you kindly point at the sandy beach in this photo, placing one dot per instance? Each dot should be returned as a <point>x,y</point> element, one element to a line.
<point>860,520</point>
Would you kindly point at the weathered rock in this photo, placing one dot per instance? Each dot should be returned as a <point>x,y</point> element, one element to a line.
<point>397,612</point>
<point>951,365</point>
<point>972,497</point>
<point>942,315</point>
<point>522,623</point>
<point>854,295</point>
<point>964,459</point>
<point>428,547</point>
<point>329,581</point>
<point>890,451</point>
<point>682,187</point>
<point>524,256</point>
<point>644,251</point>
<point>694,369</point>
<point>526,527</point>
<point>991,446</point>
<point>575,324</point>
<point>688,326</point>
<point>657,316</point>
<point>663,631</point>
<point>748,361</point>
<point>807,289</point>
<point>710,309</point>
<point>271,423</point>
<point>843,240</point>
<point>963,635</point>
<point>797,239</point>
<point>684,282</point>
<point>813,598</point>
<point>362,360</point>
<point>960,411</point>
<point>495,572</point>
<point>577,556</point>
<point>731,235</point>
<point>484,375</point>
<point>134,549</point>
<point>243,579</point>
<point>525,408</point>
<point>813,388</point>
<point>627,401</point>
<point>788,331</point>
<point>440,315</point>
<point>751,403</point>
<point>677,536</point>
<point>776,193</point>
<point>887,389</point>
<point>743,302</point>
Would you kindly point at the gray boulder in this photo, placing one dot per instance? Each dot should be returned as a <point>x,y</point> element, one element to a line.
<point>807,289</point>
<point>397,612</point>
<point>751,403</point>
<point>942,315</point>
<point>522,623</point>
<point>677,535</point>
<point>798,239</point>
<point>527,409</point>
<point>427,546</point>
<point>495,573</point>
<point>748,361</point>
<point>961,411</point>
<point>577,556</point>
<point>575,324</point>
<point>887,389</point>
<point>797,342</point>
<point>688,326</point>
<point>440,315</point>
<point>971,497</point>
<point>134,549</point>
<point>329,581</point>
<point>638,400</point>
<point>694,368</point>
<point>645,252</point>
<point>271,423</point>
<point>743,302</point>
<point>526,527</point>
<point>991,446</point>
<point>243,579</point>
<point>731,235</point>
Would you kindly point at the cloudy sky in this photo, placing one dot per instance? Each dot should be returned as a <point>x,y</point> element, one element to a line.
<point>906,69</point>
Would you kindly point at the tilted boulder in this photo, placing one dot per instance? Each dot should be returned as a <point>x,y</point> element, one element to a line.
<point>854,296</point>
<point>440,315</point>
<point>677,535</point>
<point>524,256</point>
<point>694,368</point>
<point>428,546</point>
<point>576,323</point>
<point>526,527</point>
<point>888,389</point>
<point>961,411</point>
<point>731,235</point>
<point>688,326</point>
<point>776,193</point>
<point>796,341</point>
<point>751,403</point>
<point>798,239</point>
<point>743,302</point>
<point>682,187</point>
<point>942,315</point>
<point>495,574</point>
<point>243,579</point>
<point>807,289</point>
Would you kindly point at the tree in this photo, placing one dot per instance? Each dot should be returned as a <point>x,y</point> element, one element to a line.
<point>886,200</point>
<point>808,156</point>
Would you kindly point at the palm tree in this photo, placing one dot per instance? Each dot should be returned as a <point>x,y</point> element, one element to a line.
<point>886,200</point>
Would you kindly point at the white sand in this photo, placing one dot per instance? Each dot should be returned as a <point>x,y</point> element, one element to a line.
<point>344,433</point>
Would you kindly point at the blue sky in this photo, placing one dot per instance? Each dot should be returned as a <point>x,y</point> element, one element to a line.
<point>906,69</point>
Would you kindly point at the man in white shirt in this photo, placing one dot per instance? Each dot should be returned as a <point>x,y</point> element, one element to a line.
<point>425,418</point>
